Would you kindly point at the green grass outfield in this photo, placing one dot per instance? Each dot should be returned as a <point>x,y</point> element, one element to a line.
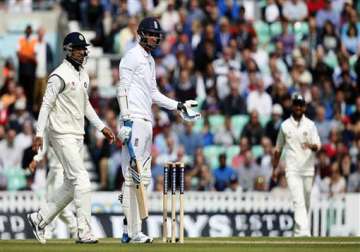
<point>251,244</point>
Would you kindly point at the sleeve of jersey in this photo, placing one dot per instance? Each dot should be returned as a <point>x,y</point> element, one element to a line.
<point>280,141</point>
<point>54,85</point>
<point>93,117</point>
<point>126,71</point>
<point>162,100</point>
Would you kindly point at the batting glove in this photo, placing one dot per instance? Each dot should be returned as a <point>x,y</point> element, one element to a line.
<point>186,111</point>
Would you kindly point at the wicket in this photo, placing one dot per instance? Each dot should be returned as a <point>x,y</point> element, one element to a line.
<point>172,171</point>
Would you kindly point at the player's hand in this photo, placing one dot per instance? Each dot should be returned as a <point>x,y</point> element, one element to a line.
<point>124,134</point>
<point>32,166</point>
<point>186,111</point>
<point>274,175</point>
<point>310,146</point>
<point>108,134</point>
<point>37,143</point>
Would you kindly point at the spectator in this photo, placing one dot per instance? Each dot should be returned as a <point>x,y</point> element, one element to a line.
<point>355,116</point>
<point>211,104</point>
<point>208,136</point>
<point>328,38</point>
<point>244,146</point>
<point>92,13</point>
<point>295,10</point>
<point>233,104</point>
<point>265,166</point>
<point>351,39</point>
<point>161,138</point>
<point>315,5</point>
<point>244,33</point>
<point>323,126</point>
<point>126,38</point>
<point>253,129</point>
<point>354,180</point>
<point>222,35</point>
<point>170,153</point>
<point>185,86</point>
<point>335,184</point>
<point>190,140</point>
<point>200,173</point>
<point>353,21</point>
<point>170,17</point>
<point>273,125</point>
<point>223,68</point>
<point>282,188</point>
<point>346,167</point>
<point>8,71</point>
<point>225,135</point>
<point>44,60</point>
<point>286,38</point>
<point>271,12</point>
<point>234,185</point>
<point>327,14</point>
<point>248,172</point>
<point>222,174</point>
<point>258,100</point>
<point>27,64</point>
<point>10,153</point>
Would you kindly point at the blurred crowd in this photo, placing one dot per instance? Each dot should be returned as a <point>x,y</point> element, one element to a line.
<point>239,66</point>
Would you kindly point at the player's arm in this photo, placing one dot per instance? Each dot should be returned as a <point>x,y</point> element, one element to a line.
<point>54,86</point>
<point>126,71</point>
<point>315,144</point>
<point>280,142</point>
<point>94,119</point>
<point>185,109</point>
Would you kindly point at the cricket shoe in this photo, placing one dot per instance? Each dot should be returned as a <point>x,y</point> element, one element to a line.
<point>141,238</point>
<point>125,238</point>
<point>34,219</point>
<point>87,239</point>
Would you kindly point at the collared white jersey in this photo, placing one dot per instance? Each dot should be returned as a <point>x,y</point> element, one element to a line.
<point>137,76</point>
<point>290,140</point>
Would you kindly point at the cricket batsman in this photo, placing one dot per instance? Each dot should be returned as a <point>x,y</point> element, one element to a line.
<point>136,92</point>
<point>298,140</point>
<point>64,106</point>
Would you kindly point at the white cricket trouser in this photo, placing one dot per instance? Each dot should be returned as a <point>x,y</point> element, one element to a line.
<point>76,185</point>
<point>300,189</point>
<point>54,180</point>
<point>141,139</point>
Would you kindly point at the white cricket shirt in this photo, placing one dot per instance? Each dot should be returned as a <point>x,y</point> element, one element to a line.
<point>137,75</point>
<point>291,136</point>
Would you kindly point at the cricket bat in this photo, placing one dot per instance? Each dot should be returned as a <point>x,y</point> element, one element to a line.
<point>139,188</point>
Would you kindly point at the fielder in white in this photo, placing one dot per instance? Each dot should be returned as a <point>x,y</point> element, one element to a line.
<point>136,92</point>
<point>54,180</point>
<point>298,138</point>
<point>64,106</point>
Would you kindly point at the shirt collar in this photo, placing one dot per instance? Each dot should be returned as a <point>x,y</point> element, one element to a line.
<point>143,51</point>
<point>72,67</point>
<point>296,123</point>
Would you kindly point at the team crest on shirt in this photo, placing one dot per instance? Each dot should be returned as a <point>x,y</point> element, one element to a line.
<point>72,85</point>
<point>85,85</point>
<point>136,143</point>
